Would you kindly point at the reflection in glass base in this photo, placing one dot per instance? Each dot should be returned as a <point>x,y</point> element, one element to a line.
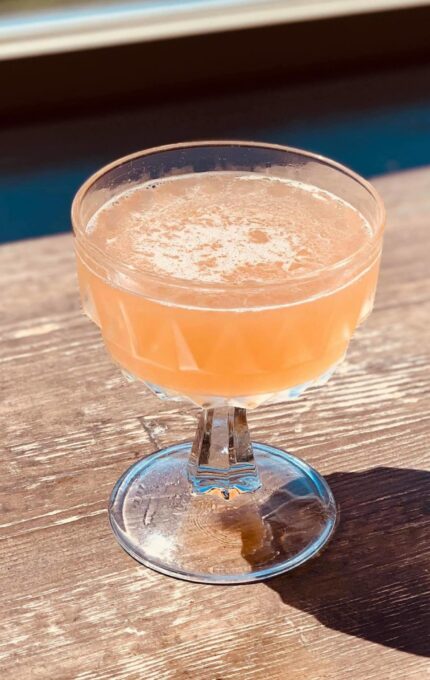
<point>248,402</point>
<point>205,538</point>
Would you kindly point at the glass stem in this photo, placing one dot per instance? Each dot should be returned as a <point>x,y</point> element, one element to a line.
<point>221,458</point>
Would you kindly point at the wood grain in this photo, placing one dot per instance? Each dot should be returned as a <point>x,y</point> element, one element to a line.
<point>76,607</point>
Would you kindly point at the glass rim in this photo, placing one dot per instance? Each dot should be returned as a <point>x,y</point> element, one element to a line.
<point>141,274</point>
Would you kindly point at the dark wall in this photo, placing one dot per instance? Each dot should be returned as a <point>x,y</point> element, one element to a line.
<point>368,109</point>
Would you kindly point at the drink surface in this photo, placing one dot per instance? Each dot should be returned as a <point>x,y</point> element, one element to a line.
<point>228,228</point>
<point>232,231</point>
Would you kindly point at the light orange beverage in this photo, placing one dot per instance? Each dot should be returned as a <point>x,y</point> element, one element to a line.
<point>228,285</point>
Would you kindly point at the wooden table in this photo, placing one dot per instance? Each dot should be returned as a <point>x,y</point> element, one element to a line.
<point>75,606</point>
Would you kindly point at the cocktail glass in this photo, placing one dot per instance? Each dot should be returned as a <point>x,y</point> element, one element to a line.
<point>223,509</point>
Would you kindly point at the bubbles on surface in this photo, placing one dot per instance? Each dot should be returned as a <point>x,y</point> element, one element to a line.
<point>228,228</point>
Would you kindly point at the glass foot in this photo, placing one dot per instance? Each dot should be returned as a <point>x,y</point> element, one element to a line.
<point>206,538</point>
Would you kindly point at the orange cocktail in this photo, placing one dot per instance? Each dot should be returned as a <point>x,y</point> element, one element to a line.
<point>227,273</point>
<point>250,295</point>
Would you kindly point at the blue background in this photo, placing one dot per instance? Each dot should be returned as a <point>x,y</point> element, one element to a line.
<point>375,124</point>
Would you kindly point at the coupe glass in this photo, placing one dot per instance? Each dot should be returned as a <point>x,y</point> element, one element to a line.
<point>223,509</point>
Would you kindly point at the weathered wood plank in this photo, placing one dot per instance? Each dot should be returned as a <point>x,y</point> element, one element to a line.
<point>74,606</point>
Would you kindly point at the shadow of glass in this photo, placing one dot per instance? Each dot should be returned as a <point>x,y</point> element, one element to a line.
<point>373,580</point>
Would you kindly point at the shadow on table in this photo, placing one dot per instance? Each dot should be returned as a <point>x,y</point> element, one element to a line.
<point>373,580</point>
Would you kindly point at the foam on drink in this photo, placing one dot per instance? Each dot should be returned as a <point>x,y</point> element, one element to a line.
<point>228,228</point>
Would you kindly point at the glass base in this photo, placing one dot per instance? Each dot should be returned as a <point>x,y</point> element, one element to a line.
<point>205,538</point>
